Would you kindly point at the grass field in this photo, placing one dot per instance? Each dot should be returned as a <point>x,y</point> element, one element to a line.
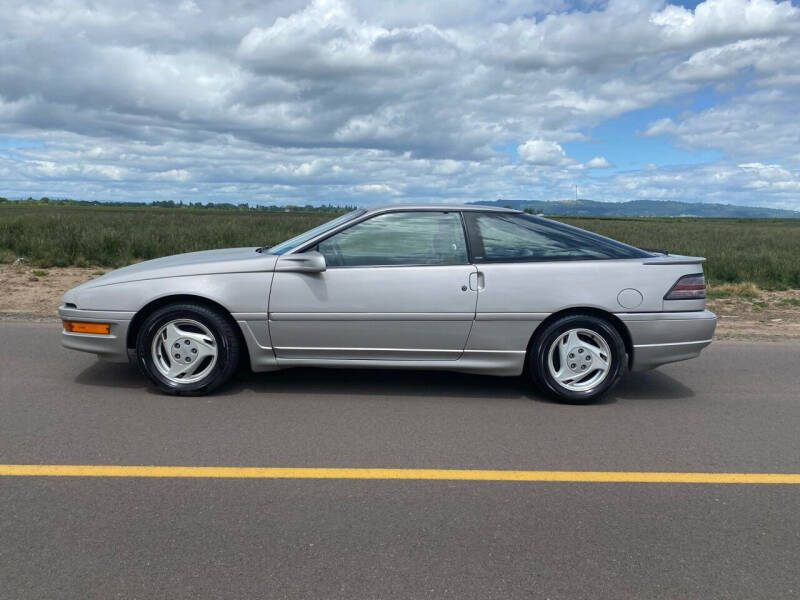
<point>60,236</point>
<point>763,251</point>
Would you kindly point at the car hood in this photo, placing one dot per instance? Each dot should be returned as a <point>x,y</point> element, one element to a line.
<point>229,260</point>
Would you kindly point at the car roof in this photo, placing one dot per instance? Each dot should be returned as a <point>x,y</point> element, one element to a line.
<point>453,207</point>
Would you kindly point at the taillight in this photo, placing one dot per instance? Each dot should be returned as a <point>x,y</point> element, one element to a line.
<point>688,287</point>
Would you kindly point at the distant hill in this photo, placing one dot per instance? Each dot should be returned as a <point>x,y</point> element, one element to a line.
<point>643,208</point>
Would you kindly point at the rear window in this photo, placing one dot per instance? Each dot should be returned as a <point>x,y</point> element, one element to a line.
<point>523,237</point>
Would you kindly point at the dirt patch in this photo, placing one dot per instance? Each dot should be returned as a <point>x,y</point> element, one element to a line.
<point>763,316</point>
<point>30,293</point>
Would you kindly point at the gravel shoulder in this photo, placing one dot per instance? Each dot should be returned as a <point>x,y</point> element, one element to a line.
<point>770,316</point>
<point>34,294</point>
<point>29,293</point>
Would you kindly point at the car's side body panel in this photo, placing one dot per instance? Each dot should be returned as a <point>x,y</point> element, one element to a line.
<point>516,297</point>
<point>395,312</point>
<point>546,287</point>
<point>664,337</point>
<point>245,295</point>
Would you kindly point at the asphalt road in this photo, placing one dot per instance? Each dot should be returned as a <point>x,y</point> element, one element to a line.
<point>735,409</point>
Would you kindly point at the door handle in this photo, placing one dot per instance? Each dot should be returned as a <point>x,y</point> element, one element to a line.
<point>476,281</point>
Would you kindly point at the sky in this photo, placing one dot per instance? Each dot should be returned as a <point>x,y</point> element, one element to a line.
<point>379,102</point>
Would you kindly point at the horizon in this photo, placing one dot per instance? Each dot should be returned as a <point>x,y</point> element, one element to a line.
<point>349,102</point>
<point>45,201</point>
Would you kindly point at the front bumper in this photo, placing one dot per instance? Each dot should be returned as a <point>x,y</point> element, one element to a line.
<point>660,338</point>
<point>111,347</point>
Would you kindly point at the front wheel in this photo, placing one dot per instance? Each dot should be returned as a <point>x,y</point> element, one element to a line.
<point>187,349</point>
<point>577,358</point>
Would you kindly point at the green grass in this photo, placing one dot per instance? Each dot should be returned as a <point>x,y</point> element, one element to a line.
<point>765,252</point>
<point>716,294</point>
<point>59,236</point>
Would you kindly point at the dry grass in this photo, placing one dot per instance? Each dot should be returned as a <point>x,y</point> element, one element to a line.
<point>746,289</point>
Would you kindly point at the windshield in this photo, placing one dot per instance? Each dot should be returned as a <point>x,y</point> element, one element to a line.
<point>298,240</point>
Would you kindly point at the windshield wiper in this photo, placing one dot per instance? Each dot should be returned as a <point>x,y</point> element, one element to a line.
<point>260,250</point>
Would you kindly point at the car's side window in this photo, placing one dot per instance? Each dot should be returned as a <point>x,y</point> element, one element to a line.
<point>519,237</point>
<point>401,238</point>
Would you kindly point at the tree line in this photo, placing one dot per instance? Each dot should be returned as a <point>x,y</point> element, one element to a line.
<point>244,206</point>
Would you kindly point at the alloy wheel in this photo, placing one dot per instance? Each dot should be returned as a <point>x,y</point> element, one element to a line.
<point>184,351</point>
<point>579,360</point>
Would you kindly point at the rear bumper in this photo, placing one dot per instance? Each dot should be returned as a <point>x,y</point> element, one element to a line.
<point>112,347</point>
<point>660,338</point>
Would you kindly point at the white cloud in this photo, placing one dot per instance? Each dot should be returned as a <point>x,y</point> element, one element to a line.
<point>376,188</point>
<point>299,100</point>
<point>660,127</point>
<point>724,182</point>
<point>174,175</point>
<point>753,125</point>
<point>598,162</point>
<point>542,152</point>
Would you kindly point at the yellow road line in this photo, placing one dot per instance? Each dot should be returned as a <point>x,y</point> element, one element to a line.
<point>362,473</point>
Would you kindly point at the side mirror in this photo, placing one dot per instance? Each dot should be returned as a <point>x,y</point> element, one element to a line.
<point>307,262</point>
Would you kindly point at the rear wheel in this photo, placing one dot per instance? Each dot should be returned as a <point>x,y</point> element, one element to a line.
<point>187,349</point>
<point>577,358</point>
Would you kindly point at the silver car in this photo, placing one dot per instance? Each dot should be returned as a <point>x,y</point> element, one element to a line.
<point>462,288</point>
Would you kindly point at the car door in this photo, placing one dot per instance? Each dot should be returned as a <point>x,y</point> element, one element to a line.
<point>396,286</point>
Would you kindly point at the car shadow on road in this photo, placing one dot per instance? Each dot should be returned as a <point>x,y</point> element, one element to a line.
<point>648,385</point>
<point>645,385</point>
<point>112,375</point>
<point>381,382</point>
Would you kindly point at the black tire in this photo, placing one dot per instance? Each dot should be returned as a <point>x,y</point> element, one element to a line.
<point>538,369</point>
<point>228,347</point>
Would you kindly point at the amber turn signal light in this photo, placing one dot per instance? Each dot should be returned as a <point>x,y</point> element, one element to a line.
<point>82,327</point>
